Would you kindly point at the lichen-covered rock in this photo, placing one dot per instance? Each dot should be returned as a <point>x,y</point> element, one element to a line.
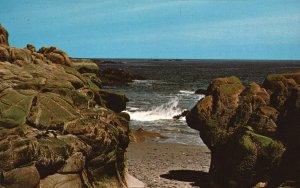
<point>56,128</point>
<point>252,132</point>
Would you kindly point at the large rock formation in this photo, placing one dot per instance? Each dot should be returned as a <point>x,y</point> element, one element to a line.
<point>253,131</point>
<point>56,128</point>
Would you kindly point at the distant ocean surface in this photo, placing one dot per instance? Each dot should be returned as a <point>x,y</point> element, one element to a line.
<point>170,85</point>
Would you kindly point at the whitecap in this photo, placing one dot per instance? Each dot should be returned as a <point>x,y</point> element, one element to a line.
<point>162,112</point>
<point>186,92</point>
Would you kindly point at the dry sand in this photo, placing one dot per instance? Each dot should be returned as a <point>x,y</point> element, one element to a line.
<point>169,165</point>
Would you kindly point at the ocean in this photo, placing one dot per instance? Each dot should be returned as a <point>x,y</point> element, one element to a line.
<point>170,85</point>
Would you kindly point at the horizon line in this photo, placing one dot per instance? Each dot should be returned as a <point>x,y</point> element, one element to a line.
<point>110,58</point>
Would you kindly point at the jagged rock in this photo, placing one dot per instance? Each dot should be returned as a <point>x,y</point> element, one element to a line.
<point>55,127</point>
<point>251,131</point>
<point>3,36</point>
<point>182,114</point>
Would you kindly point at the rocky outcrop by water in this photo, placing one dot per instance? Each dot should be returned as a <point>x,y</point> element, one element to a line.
<point>117,77</point>
<point>58,128</point>
<point>109,76</point>
<point>252,131</point>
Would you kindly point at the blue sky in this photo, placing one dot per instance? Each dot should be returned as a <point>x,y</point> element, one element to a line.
<point>190,29</point>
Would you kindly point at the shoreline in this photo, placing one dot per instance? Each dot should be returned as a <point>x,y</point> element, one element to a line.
<point>169,164</point>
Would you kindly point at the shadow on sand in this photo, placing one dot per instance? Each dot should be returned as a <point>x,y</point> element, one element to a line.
<point>197,178</point>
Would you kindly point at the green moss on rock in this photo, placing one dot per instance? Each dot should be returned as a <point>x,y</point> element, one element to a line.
<point>14,106</point>
<point>261,140</point>
<point>247,143</point>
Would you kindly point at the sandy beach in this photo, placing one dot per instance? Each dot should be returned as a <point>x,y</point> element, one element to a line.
<point>169,164</point>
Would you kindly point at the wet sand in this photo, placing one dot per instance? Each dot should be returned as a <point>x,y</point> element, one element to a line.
<point>169,164</point>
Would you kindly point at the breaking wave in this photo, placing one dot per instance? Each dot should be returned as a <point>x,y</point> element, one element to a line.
<point>164,111</point>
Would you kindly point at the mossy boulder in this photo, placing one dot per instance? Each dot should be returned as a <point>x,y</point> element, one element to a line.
<point>226,85</point>
<point>280,86</point>
<point>252,131</point>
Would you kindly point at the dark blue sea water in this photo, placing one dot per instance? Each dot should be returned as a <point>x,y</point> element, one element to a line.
<point>169,89</point>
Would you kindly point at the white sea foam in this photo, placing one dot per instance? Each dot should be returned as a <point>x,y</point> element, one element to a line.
<point>165,111</point>
<point>143,81</point>
<point>186,92</point>
<point>132,109</point>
